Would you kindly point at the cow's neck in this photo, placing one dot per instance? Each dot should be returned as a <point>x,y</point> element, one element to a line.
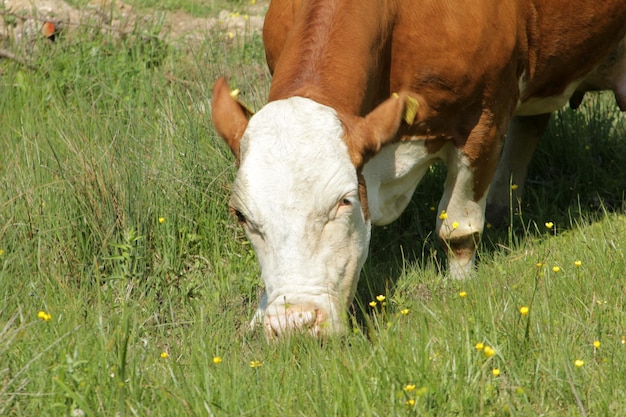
<point>336,55</point>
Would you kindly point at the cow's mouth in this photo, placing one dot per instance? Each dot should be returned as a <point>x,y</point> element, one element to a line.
<point>299,319</point>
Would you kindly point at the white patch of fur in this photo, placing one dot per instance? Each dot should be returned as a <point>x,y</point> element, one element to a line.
<point>541,105</point>
<point>295,170</point>
<point>392,176</point>
<point>464,216</point>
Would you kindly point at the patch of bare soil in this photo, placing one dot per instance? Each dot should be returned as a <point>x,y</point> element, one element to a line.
<point>25,20</point>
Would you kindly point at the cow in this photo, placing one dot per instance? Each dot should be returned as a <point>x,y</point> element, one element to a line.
<point>525,131</point>
<point>365,96</point>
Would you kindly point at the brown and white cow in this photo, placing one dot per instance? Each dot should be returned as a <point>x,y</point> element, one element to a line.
<point>525,131</point>
<point>332,129</point>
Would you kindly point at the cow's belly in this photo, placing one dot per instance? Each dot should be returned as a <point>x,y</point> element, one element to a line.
<point>391,177</point>
<point>542,105</point>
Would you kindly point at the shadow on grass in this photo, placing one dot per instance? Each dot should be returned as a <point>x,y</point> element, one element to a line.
<point>578,174</point>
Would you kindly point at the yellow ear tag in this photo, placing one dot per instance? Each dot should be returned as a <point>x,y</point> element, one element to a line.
<point>411,106</point>
<point>235,94</point>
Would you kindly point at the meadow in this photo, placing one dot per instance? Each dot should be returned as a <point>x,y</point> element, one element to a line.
<point>126,287</point>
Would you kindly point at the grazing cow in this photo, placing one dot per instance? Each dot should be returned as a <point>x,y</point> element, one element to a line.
<point>334,150</point>
<point>525,131</point>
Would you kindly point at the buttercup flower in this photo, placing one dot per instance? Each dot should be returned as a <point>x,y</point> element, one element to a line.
<point>596,344</point>
<point>255,364</point>
<point>409,387</point>
<point>577,264</point>
<point>373,303</point>
<point>523,310</point>
<point>443,215</point>
<point>161,220</point>
<point>44,316</point>
<point>556,268</point>
<point>463,294</point>
<point>479,346</point>
<point>165,355</point>
<point>410,402</point>
<point>495,372</point>
<point>217,360</point>
<point>579,363</point>
<point>514,187</point>
<point>380,298</point>
<point>549,225</point>
<point>538,264</point>
<point>489,351</point>
<point>404,312</point>
<point>455,225</point>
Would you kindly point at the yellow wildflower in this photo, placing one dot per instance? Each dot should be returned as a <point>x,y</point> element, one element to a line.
<point>217,360</point>
<point>489,351</point>
<point>579,363</point>
<point>404,312</point>
<point>479,346</point>
<point>455,225</point>
<point>549,225</point>
<point>44,316</point>
<point>523,310</point>
<point>380,298</point>
<point>409,387</point>
<point>556,268</point>
<point>514,187</point>
<point>165,355</point>
<point>538,264</point>
<point>373,303</point>
<point>161,220</point>
<point>495,372</point>
<point>596,344</point>
<point>577,264</point>
<point>1,252</point>
<point>410,402</point>
<point>463,294</point>
<point>255,364</point>
<point>443,215</point>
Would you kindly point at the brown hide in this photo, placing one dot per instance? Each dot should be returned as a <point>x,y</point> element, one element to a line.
<point>463,60</point>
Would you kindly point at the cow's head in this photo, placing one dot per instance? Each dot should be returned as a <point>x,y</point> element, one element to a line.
<point>298,196</point>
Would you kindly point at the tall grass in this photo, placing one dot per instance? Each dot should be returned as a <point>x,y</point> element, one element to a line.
<point>113,220</point>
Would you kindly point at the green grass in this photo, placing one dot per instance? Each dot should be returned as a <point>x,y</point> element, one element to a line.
<point>198,8</point>
<point>108,136</point>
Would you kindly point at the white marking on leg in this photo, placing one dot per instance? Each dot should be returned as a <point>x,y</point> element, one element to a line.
<point>464,218</point>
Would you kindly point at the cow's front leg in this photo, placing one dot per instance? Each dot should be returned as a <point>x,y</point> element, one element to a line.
<point>461,214</point>
<point>519,146</point>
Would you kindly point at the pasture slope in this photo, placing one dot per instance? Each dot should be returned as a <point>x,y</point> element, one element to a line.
<point>126,288</point>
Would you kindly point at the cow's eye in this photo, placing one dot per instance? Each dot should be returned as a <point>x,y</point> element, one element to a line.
<point>345,202</point>
<point>239,216</point>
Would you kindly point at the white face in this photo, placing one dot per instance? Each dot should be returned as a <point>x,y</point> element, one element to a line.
<point>296,195</point>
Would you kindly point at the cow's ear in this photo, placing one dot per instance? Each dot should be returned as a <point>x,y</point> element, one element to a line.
<point>366,136</point>
<point>230,117</point>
